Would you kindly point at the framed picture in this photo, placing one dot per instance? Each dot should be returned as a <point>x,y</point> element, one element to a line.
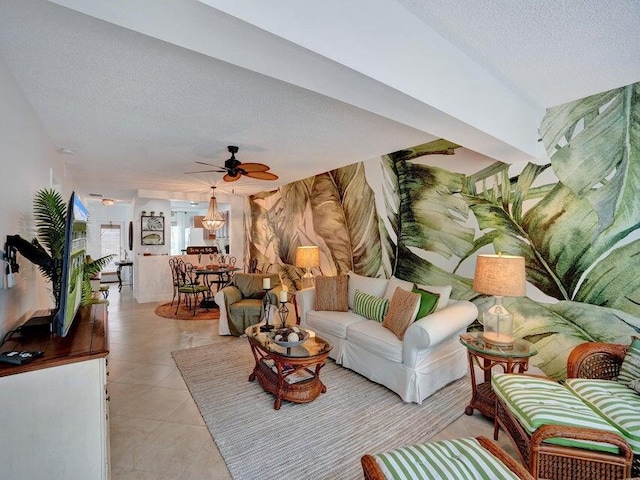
<point>152,230</point>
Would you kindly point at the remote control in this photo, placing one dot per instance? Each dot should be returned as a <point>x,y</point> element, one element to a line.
<point>19,358</point>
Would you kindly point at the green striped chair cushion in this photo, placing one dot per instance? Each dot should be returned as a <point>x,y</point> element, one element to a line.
<point>460,459</point>
<point>613,401</point>
<point>373,308</point>
<point>535,402</point>
<point>630,368</point>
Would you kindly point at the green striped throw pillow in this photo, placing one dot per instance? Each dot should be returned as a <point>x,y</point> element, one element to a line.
<point>630,368</point>
<point>373,308</point>
<point>460,459</point>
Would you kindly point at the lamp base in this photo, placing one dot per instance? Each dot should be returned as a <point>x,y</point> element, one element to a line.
<point>308,280</point>
<point>498,339</point>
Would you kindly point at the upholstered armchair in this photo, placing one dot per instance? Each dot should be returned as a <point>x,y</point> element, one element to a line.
<point>240,302</point>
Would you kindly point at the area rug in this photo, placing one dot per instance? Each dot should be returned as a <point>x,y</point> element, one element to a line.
<point>323,439</point>
<point>169,311</point>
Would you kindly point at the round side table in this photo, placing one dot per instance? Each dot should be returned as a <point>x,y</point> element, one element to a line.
<point>512,358</point>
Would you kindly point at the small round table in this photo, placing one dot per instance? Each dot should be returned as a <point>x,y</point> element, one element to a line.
<point>512,358</point>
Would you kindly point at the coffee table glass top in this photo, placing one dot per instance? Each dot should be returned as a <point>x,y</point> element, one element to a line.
<point>520,348</point>
<point>313,346</point>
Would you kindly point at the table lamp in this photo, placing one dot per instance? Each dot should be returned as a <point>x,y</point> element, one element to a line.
<point>501,276</point>
<point>308,257</point>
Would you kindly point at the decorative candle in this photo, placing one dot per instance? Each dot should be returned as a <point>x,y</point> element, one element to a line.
<point>283,296</point>
<point>266,283</point>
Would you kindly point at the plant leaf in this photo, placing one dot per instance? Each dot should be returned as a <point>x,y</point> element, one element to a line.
<point>358,204</point>
<point>330,222</point>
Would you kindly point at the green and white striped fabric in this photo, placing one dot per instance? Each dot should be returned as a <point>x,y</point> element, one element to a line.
<point>536,402</point>
<point>630,368</point>
<point>460,459</point>
<point>614,402</point>
<point>373,308</point>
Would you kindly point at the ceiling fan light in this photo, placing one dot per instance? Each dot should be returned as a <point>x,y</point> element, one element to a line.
<point>213,220</point>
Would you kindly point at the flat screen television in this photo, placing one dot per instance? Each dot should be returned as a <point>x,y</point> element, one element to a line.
<point>73,254</point>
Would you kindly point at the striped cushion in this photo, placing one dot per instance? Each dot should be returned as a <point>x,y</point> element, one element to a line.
<point>630,368</point>
<point>373,308</point>
<point>613,401</point>
<point>535,402</point>
<point>463,459</point>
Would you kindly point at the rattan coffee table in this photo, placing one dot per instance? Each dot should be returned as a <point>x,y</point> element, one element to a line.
<point>291,374</point>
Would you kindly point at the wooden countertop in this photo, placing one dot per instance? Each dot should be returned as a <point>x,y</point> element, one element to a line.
<point>87,339</point>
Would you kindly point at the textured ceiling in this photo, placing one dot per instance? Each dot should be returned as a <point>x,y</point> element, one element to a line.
<point>138,111</point>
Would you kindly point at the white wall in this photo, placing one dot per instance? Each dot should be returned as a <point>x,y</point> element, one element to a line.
<point>27,159</point>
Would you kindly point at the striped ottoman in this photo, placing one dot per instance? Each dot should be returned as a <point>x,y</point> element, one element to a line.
<point>557,434</point>
<point>463,459</point>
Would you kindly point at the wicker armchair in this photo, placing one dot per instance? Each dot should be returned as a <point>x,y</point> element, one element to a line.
<point>601,361</point>
<point>372,470</point>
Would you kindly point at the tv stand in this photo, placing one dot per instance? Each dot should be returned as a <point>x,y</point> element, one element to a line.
<point>54,410</point>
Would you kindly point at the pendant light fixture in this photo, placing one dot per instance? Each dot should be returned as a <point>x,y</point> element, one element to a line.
<point>213,220</point>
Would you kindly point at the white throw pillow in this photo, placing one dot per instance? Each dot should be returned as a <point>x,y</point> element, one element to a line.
<point>368,285</point>
<point>395,282</point>
<point>443,291</point>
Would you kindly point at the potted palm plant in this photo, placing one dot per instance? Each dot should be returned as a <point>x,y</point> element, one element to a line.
<point>50,213</point>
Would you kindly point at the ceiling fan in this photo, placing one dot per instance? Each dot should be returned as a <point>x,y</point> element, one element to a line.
<point>234,169</point>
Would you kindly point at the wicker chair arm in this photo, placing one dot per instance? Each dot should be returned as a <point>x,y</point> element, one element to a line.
<point>596,360</point>
<point>371,469</point>
<point>580,433</point>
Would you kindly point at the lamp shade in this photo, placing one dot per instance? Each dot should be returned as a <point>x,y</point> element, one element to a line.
<point>213,220</point>
<point>308,256</point>
<point>501,275</point>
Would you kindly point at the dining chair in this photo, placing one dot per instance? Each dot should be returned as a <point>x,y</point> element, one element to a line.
<point>189,287</point>
<point>175,276</point>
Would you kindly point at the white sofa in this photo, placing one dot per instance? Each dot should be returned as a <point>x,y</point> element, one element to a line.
<point>429,357</point>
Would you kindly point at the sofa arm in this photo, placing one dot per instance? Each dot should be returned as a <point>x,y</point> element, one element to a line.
<point>306,300</point>
<point>434,328</point>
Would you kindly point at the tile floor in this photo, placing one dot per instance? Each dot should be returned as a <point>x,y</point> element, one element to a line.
<point>157,432</point>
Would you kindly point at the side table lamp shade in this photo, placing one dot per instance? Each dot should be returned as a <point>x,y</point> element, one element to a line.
<point>308,257</point>
<point>501,276</point>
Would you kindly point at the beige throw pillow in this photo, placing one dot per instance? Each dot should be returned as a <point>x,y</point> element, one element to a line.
<point>402,310</point>
<point>331,293</point>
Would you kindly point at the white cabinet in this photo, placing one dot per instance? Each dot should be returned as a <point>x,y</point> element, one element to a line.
<point>54,423</point>
<point>54,411</point>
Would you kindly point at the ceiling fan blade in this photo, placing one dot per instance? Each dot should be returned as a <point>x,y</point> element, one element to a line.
<point>208,164</point>
<point>206,171</point>
<point>229,178</point>
<point>254,167</point>
<point>262,175</point>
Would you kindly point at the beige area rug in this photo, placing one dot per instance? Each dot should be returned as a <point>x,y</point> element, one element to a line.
<point>321,440</point>
<point>169,311</point>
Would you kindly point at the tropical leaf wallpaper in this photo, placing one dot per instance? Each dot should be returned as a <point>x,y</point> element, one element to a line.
<point>576,221</point>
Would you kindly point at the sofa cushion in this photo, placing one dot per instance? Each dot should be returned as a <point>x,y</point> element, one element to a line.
<point>428,302</point>
<point>369,306</point>
<point>394,283</point>
<point>443,291</point>
<point>535,402</point>
<point>373,337</point>
<point>331,293</point>
<point>368,285</point>
<point>459,459</point>
<point>402,311</point>
<point>613,401</point>
<point>630,368</point>
<point>335,323</point>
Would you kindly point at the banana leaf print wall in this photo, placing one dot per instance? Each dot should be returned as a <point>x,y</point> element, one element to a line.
<point>579,233</point>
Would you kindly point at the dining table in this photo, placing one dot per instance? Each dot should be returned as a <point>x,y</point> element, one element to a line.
<point>218,276</point>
